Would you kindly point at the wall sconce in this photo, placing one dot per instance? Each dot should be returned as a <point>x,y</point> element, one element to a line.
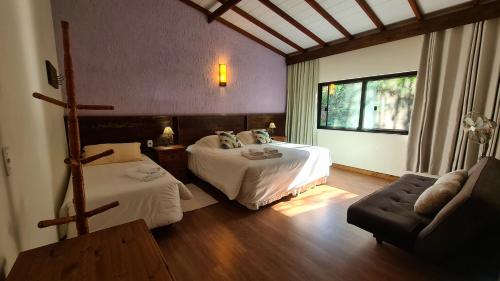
<point>222,75</point>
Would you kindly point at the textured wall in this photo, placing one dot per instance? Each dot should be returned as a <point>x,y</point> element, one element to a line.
<point>31,129</point>
<point>161,57</point>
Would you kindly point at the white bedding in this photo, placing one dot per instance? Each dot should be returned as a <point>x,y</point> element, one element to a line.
<point>255,183</point>
<point>156,201</point>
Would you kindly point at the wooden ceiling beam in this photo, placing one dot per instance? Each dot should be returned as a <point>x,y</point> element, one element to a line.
<point>267,28</point>
<point>371,14</point>
<point>316,6</point>
<point>416,9</point>
<point>234,27</point>
<point>435,22</point>
<point>222,9</point>
<point>292,21</point>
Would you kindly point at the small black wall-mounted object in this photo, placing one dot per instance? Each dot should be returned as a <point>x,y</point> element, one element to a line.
<point>52,75</point>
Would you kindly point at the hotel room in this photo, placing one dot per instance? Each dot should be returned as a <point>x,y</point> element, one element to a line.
<point>250,140</point>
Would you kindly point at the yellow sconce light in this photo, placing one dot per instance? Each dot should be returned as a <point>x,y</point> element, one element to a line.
<point>222,75</point>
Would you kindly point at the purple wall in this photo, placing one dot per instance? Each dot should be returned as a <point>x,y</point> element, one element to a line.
<point>152,57</point>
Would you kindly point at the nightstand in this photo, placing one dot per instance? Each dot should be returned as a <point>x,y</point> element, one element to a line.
<point>173,158</point>
<point>279,138</point>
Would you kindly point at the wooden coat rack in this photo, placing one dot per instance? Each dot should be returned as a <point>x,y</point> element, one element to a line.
<point>75,161</point>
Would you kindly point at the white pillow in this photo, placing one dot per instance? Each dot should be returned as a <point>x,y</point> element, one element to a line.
<point>211,141</point>
<point>434,198</point>
<point>246,137</point>
<point>123,152</point>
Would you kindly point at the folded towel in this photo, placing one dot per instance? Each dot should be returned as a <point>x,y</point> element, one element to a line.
<point>148,168</point>
<point>269,150</point>
<point>135,174</point>
<point>253,157</point>
<point>261,157</point>
<point>255,152</point>
<point>273,155</point>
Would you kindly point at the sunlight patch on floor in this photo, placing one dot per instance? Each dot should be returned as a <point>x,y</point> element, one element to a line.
<point>316,198</point>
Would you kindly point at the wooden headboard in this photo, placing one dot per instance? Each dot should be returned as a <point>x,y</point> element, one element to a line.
<point>188,129</point>
<point>119,129</point>
<point>261,121</point>
<point>192,128</point>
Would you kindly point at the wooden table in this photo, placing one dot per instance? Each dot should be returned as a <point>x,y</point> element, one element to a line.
<point>124,252</point>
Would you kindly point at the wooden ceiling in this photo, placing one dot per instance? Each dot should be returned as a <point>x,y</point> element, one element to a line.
<point>302,30</point>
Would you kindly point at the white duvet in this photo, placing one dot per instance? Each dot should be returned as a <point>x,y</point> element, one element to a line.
<point>255,183</point>
<point>156,201</point>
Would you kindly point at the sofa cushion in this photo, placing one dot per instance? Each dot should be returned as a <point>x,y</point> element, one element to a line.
<point>435,197</point>
<point>389,213</point>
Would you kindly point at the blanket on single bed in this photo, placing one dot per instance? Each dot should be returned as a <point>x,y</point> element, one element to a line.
<point>156,201</point>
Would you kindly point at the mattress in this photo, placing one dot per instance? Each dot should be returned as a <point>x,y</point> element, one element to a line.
<point>156,201</point>
<point>255,183</point>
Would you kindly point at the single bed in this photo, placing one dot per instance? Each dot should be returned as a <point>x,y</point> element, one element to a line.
<point>156,201</point>
<point>255,183</point>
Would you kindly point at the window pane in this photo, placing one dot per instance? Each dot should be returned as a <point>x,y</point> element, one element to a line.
<point>388,103</point>
<point>324,105</point>
<point>343,105</point>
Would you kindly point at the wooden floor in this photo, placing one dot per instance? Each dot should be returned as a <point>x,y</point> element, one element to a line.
<point>302,238</point>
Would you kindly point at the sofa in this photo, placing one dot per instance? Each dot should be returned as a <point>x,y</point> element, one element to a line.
<point>389,213</point>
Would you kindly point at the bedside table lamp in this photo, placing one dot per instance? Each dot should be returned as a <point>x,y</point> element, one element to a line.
<point>272,126</point>
<point>167,136</point>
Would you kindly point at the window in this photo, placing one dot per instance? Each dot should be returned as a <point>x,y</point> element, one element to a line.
<point>372,104</point>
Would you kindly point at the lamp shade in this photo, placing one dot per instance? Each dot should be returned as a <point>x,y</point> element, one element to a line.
<point>272,125</point>
<point>168,131</point>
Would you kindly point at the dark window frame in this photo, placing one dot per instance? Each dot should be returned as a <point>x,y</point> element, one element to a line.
<point>363,81</point>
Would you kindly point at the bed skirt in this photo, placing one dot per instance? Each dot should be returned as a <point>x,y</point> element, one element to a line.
<point>294,191</point>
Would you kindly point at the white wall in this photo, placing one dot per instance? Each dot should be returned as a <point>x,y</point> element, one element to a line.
<point>33,130</point>
<point>384,153</point>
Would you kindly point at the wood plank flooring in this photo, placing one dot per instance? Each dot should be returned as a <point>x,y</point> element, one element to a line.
<point>302,238</point>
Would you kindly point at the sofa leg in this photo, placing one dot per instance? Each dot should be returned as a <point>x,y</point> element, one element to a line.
<point>379,240</point>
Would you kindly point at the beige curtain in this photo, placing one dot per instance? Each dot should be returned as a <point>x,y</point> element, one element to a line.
<point>459,72</point>
<point>302,88</point>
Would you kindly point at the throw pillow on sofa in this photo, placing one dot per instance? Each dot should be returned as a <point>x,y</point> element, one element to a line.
<point>434,198</point>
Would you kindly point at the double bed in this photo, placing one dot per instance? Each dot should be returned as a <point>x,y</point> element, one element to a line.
<point>156,201</point>
<point>255,183</point>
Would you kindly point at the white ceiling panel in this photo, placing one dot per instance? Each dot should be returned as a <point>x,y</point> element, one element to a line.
<point>207,4</point>
<point>348,14</point>
<point>214,6</point>
<point>256,31</point>
<point>434,5</point>
<point>271,19</point>
<point>391,11</point>
<point>308,17</point>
